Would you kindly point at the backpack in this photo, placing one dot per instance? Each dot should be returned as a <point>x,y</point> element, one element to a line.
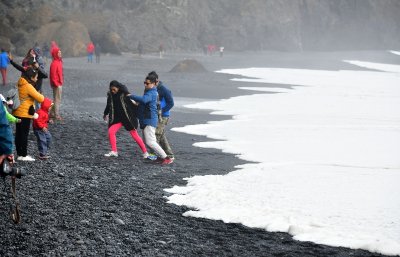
<point>13,95</point>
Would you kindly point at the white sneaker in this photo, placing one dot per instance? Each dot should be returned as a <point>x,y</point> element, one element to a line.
<point>145,155</point>
<point>111,154</point>
<point>20,158</point>
<point>29,158</point>
<point>26,158</point>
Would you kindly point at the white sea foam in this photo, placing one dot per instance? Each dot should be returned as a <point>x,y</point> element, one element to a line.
<point>328,166</point>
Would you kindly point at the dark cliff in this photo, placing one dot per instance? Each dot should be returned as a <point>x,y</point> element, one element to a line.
<point>290,25</point>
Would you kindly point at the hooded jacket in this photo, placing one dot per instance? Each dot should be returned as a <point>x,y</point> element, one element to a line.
<point>56,69</point>
<point>121,109</point>
<point>90,48</point>
<point>27,94</point>
<point>43,115</point>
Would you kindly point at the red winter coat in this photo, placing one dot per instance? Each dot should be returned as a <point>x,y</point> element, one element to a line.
<point>90,48</point>
<point>43,115</point>
<point>56,69</point>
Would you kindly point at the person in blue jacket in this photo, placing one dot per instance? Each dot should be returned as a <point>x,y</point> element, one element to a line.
<point>6,136</point>
<point>148,117</point>
<point>166,103</point>
<point>4,61</point>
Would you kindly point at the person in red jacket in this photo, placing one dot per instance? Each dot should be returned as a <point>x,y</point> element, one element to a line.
<point>90,51</point>
<point>40,128</point>
<point>56,82</point>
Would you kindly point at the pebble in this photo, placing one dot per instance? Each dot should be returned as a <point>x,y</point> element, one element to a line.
<point>119,221</point>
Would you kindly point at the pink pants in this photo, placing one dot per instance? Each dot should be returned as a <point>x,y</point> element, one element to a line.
<point>112,131</point>
<point>4,75</point>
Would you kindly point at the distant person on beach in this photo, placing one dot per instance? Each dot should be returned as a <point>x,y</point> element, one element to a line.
<point>90,51</point>
<point>27,95</point>
<point>4,61</point>
<point>211,49</point>
<point>97,51</point>
<point>140,49</point>
<point>205,49</point>
<point>148,117</point>
<point>41,129</point>
<point>121,111</point>
<point>56,82</point>
<point>166,102</point>
<point>221,51</point>
<point>46,51</point>
<point>161,50</point>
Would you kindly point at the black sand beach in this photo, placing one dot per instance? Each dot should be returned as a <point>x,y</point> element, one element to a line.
<point>79,203</point>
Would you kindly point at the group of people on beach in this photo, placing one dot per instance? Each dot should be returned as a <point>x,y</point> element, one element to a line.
<point>26,103</point>
<point>150,111</point>
<point>91,50</point>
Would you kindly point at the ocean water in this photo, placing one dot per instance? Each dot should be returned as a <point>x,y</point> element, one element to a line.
<point>326,153</point>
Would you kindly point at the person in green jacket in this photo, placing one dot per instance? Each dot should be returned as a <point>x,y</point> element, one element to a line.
<point>10,117</point>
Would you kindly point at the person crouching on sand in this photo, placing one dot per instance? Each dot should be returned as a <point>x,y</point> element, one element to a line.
<point>121,111</point>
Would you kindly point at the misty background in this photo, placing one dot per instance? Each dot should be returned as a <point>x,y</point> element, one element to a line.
<point>188,25</point>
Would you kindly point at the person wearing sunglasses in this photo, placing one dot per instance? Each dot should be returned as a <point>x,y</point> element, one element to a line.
<point>166,102</point>
<point>148,117</point>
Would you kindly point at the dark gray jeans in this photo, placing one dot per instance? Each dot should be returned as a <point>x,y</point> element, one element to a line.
<point>43,141</point>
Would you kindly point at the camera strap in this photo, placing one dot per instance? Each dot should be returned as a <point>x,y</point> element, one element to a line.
<point>15,211</point>
<point>14,203</point>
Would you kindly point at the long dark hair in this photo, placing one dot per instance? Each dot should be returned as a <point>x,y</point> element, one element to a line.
<point>122,89</point>
<point>29,74</point>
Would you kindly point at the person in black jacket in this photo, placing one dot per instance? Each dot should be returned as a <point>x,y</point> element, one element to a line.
<point>121,111</point>
<point>32,62</point>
